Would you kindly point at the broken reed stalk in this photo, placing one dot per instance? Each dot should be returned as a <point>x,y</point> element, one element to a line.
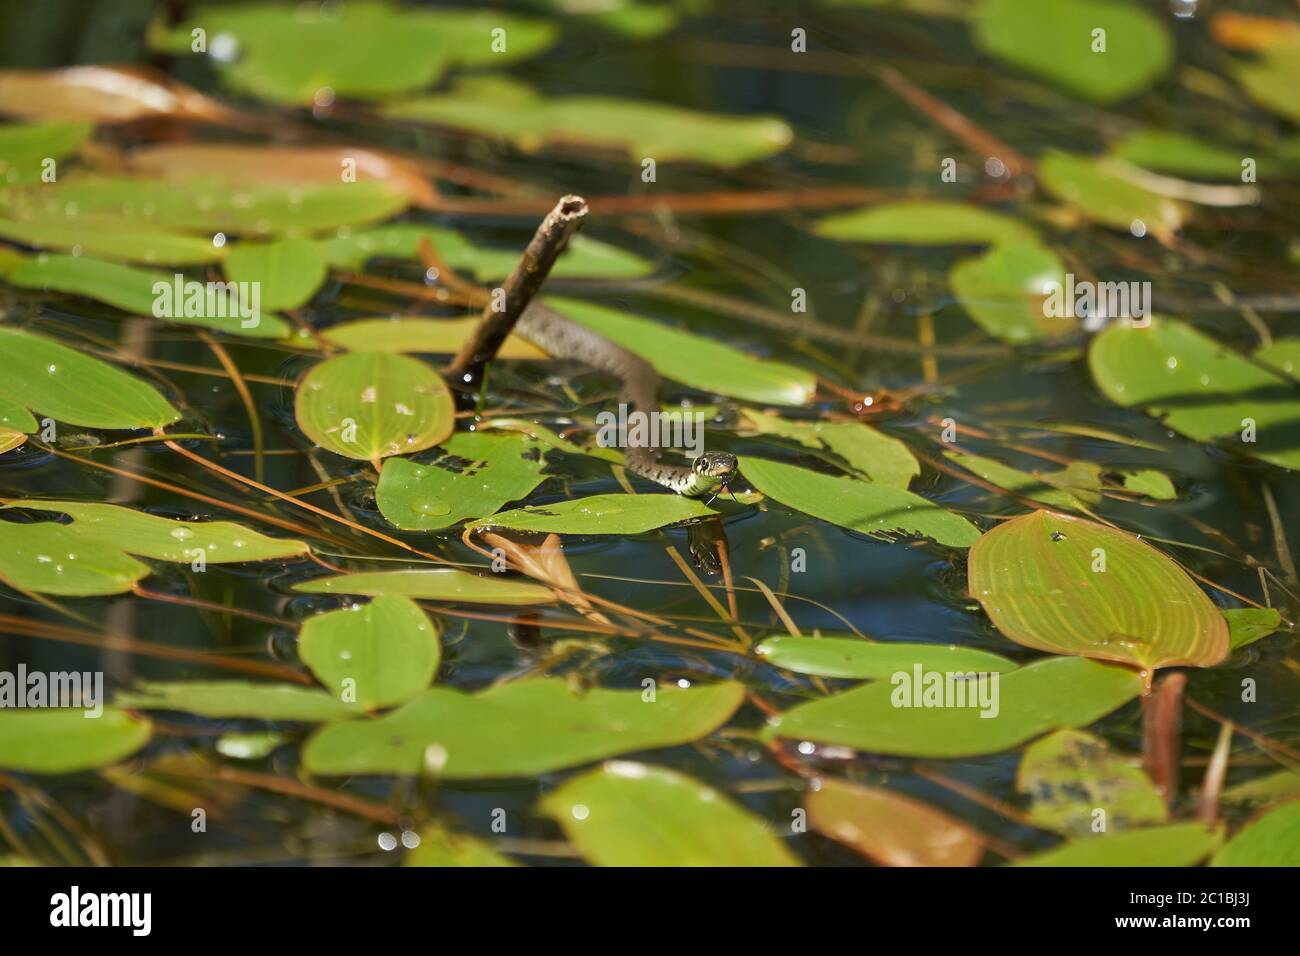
<point>509,302</point>
<point>1162,718</point>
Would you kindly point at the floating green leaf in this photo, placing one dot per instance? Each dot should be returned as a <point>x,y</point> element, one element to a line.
<point>854,657</point>
<point>1267,79</point>
<point>1072,586</point>
<point>1283,355</point>
<point>224,699</point>
<point>54,559</point>
<point>1246,625</point>
<point>371,405</point>
<point>1006,290</point>
<point>1177,844</point>
<point>1074,488</point>
<point>434,584</point>
<point>167,539</point>
<point>858,505</point>
<point>440,336</point>
<point>25,148</point>
<point>104,239</point>
<point>442,847</point>
<point>633,814</point>
<point>927,222</point>
<point>505,109</point>
<point>882,458</point>
<point>14,416</point>
<point>1180,155</point>
<point>1071,774</point>
<point>475,475</point>
<point>1150,482</point>
<point>66,385</point>
<point>249,746</point>
<point>376,654</point>
<point>518,729</point>
<point>701,363</point>
<point>1098,191</point>
<point>892,717</point>
<point>1058,41</point>
<point>601,514</point>
<point>63,740</point>
<point>288,272</point>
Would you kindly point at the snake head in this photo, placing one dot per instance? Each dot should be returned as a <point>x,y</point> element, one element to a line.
<point>719,466</point>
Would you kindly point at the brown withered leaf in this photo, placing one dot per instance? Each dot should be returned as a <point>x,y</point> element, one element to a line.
<point>545,562</point>
<point>105,94</point>
<point>1242,31</point>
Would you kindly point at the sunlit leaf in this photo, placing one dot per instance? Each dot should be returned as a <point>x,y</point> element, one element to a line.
<point>376,654</point>
<point>11,439</point>
<point>1071,489</point>
<point>1272,79</point>
<point>693,360</point>
<point>167,539</point>
<point>475,474</point>
<point>442,847</point>
<point>854,657</point>
<point>1263,791</point>
<point>601,514</point>
<point>1246,625</point>
<point>1283,355</point>
<point>1055,40</point>
<point>237,699</point>
<point>861,506</point>
<point>1096,189</point>
<point>882,458</point>
<point>288,272</point>
<point>65,740</point>
<point>634,814</point>
<point>518,729</point>
<point>104,94</point>
<point>927,222</point>
<point>105,239</point>
<point>890,828</point>
<point>54,559</point>
<point>888,717</point>
<point>26,148</point>
<point>1150,482</point>
<point>1071,774</point>
<point>1179,154</point>
<point>14,416</point>
<point>1071,586</point>
<point>433,336</point>
<point>371,405</point>
<point>433,584</point>
<point>1177,844</point>
<point>505,109</point>
<point>249,746</point>
<point>1005,291</point>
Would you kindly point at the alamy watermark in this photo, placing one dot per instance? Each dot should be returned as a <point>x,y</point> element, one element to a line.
<point>190,299</point>
<point>83,690</point>
<point>1097,303</point>
<point>948,689</point>
<point>637,429</point>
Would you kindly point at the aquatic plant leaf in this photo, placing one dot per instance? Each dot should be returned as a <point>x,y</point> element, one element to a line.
<point>54,380</point>
<point>1176,844</point>
<point>1071,489</point>
<point>889,828</point>
<point>1263,791</point>
<point>376,654</point>
<point>66,740</point>
<point>1246,625</point>
<point>1006,290</point>
<point>147,292</point>
<point>54,559</point>
<point>371,405</point>
<point>882,458</point>
<point>364,50</point>
<point>505,109</point>
<point>433,584</point>
<point>693,360</point>
<point>475,474</point>
<point>1071,586</point>
<point>1031,701</point>
<point>872,660</point>
<point>1283,355</point>
<point>412,335</point>
<point>167,539</point>
<point>1199,388</point>
<point>115,241</point>
<point>1071,774</point>
<point>11,439</point>
<point>442,847</point>
<point>1055,39</point>
<point>635,814</point>
<point>583,257</point>
<point>229,699</point>
<point>1272,79</point>
<point>104,95</point>
<point>1270,840</point>
<point>518,729</point>
<point>601,514</point>
<point>14,416</point>
<point>1178,154</point>
<point>288,271</point>
<point>249,746</point>
<point>927,222</point>
<point>878,510</point>
<point>1096,190</point>
<point>26,147</point>
<point>1150,482</point>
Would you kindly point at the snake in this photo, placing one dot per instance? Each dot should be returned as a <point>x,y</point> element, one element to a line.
<point>562,338</point>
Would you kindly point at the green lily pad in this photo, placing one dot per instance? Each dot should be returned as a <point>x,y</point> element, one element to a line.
<point>872,660</point>
<point>67,740</point>
<point>228,699</point>
<point>878,510</point>
<point>1246,625</point>
<point>14,416</point>
<point>372,405</point>
<point>24,148</point>
<point>66,385</point>
<point>601,514</point>
<point>693,360</point>
<point>1071,774</point>
<point>474,476</point>
<point>518,729</point>
<point>1005,291</point>
<point>1267,79</point>
<point>361,50</point>
<point>881,458</point>
<point>113,241</point>
<point>1096,189</point>
<point>506,109</point>
<point>288,271</point>
<point>1179,154</point>
<point>1071,586</point>
<point>1030,701</point>
<point>1075,488</point>
<point>433,584</point>
<point>54,559</point>
<point>1177,844</point>
<point>1150,482</point>
<point>634,814</point>
<point>376,654</point>
<point>927,222</point>
<point>1054,40</point>
<point>167,539</point>
<point>413,335</point>
<point>442,847</point>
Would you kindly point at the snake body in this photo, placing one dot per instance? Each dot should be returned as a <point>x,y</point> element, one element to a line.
<point>562,338</point>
